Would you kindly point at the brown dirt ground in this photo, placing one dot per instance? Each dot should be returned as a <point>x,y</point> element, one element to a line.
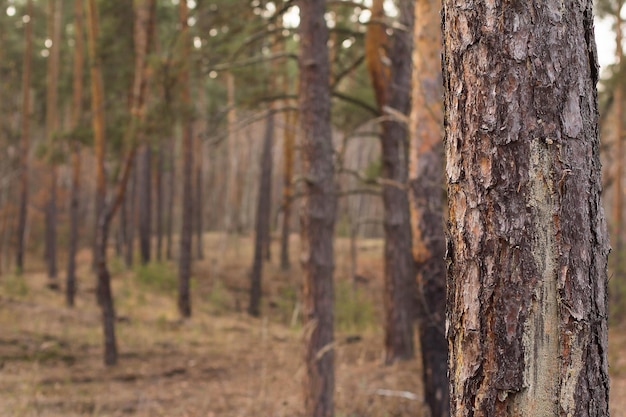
<point>219,363</point>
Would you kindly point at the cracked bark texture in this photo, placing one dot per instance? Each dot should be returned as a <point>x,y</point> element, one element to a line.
<point>319,206</point>
<point>527,250</point>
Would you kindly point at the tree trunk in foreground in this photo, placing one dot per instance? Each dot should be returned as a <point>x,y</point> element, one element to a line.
<point>262,218</point>
<point>318,210</point>
<point>527,249</point>
<point>25,139</point>
<point>184,256</point>
<point>426,198</point>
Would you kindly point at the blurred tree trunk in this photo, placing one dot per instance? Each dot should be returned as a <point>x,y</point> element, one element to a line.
<point>262,217</point>
<point>184,257</point>
<point>159,201</point>
<point>318,210</point>
<point>291,121</point>
<point>427,200</point>
<point>198,170</point>
<point>393,94</point>
<point>170,199</point>
<point>527,249</point>
<point>143,24</point>
<point>103,291</point>
<point>145,201</point>
<point>52,127</point>
<point>129,203</point>
<point>77,107</point>
<point>618,198</point>
<point>233,202</point>
<point>25,139</point>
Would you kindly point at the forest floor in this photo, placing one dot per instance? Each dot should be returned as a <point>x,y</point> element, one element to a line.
<point>220,362</point>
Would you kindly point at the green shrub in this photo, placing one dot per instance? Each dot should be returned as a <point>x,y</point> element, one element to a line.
<point>157,276</point>
<point>15,285</point>
<point>352,311</point>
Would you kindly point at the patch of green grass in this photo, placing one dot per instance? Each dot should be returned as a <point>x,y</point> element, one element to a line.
<point>353,312</point>
<point>157,276</point>
<point>218,297</point>
<point>15,285</point>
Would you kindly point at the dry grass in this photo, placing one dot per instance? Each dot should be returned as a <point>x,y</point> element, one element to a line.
<point>219,363</point>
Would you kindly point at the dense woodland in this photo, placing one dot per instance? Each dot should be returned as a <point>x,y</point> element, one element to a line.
<point>398,203</point>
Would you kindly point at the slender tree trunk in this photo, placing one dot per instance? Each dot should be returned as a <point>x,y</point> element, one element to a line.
<point>400,286</point>
<point>131,217</point>
<point>145,202</point>
<point>318,211</point>
<point>52,125</point>
<point>170,201</point>
<point>527,250</point>
<point>159,202</point>
<point>97,109</point>
<point>262,217</point>
<point>77,108</point>
<point>103,289</point>
<point>144,21</point>
<point>427,200</point>
<point>618,198</point>
<point>198,203</point>
<point>233,202</point>
<point>288,151</point>
<point>25,139</point>
<point>184,257</point>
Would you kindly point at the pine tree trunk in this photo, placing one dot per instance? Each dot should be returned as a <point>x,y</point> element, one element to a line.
<point>170,201</point>
<point>184,257</point>
<point>427,200</point>
<point>618,196</point>
<point>145,202</point>
<point>97,108</point>
<point>393,93</point>
<point>262,218</point>
<point>291,122</point>
<point>233,202</point>
<point>129,203</point>
<point>25,139</point>
<point>52,125</point>
<point>159,202</point>
<point>527,249</point>
<point>318,210</point>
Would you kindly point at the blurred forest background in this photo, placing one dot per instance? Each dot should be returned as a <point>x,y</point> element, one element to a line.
<point>155,145</point>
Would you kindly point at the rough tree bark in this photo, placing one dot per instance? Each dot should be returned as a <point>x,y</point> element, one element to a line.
<point>527,248</point>
<point>262,217</point>
<point>25,138</point>
<point>77,95</point>
<point>318,210</point>
<point>184,256</point>
<point>145,201</point>
<point>427,200</point>
<point>392,87</point>
<point>52,126</point>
